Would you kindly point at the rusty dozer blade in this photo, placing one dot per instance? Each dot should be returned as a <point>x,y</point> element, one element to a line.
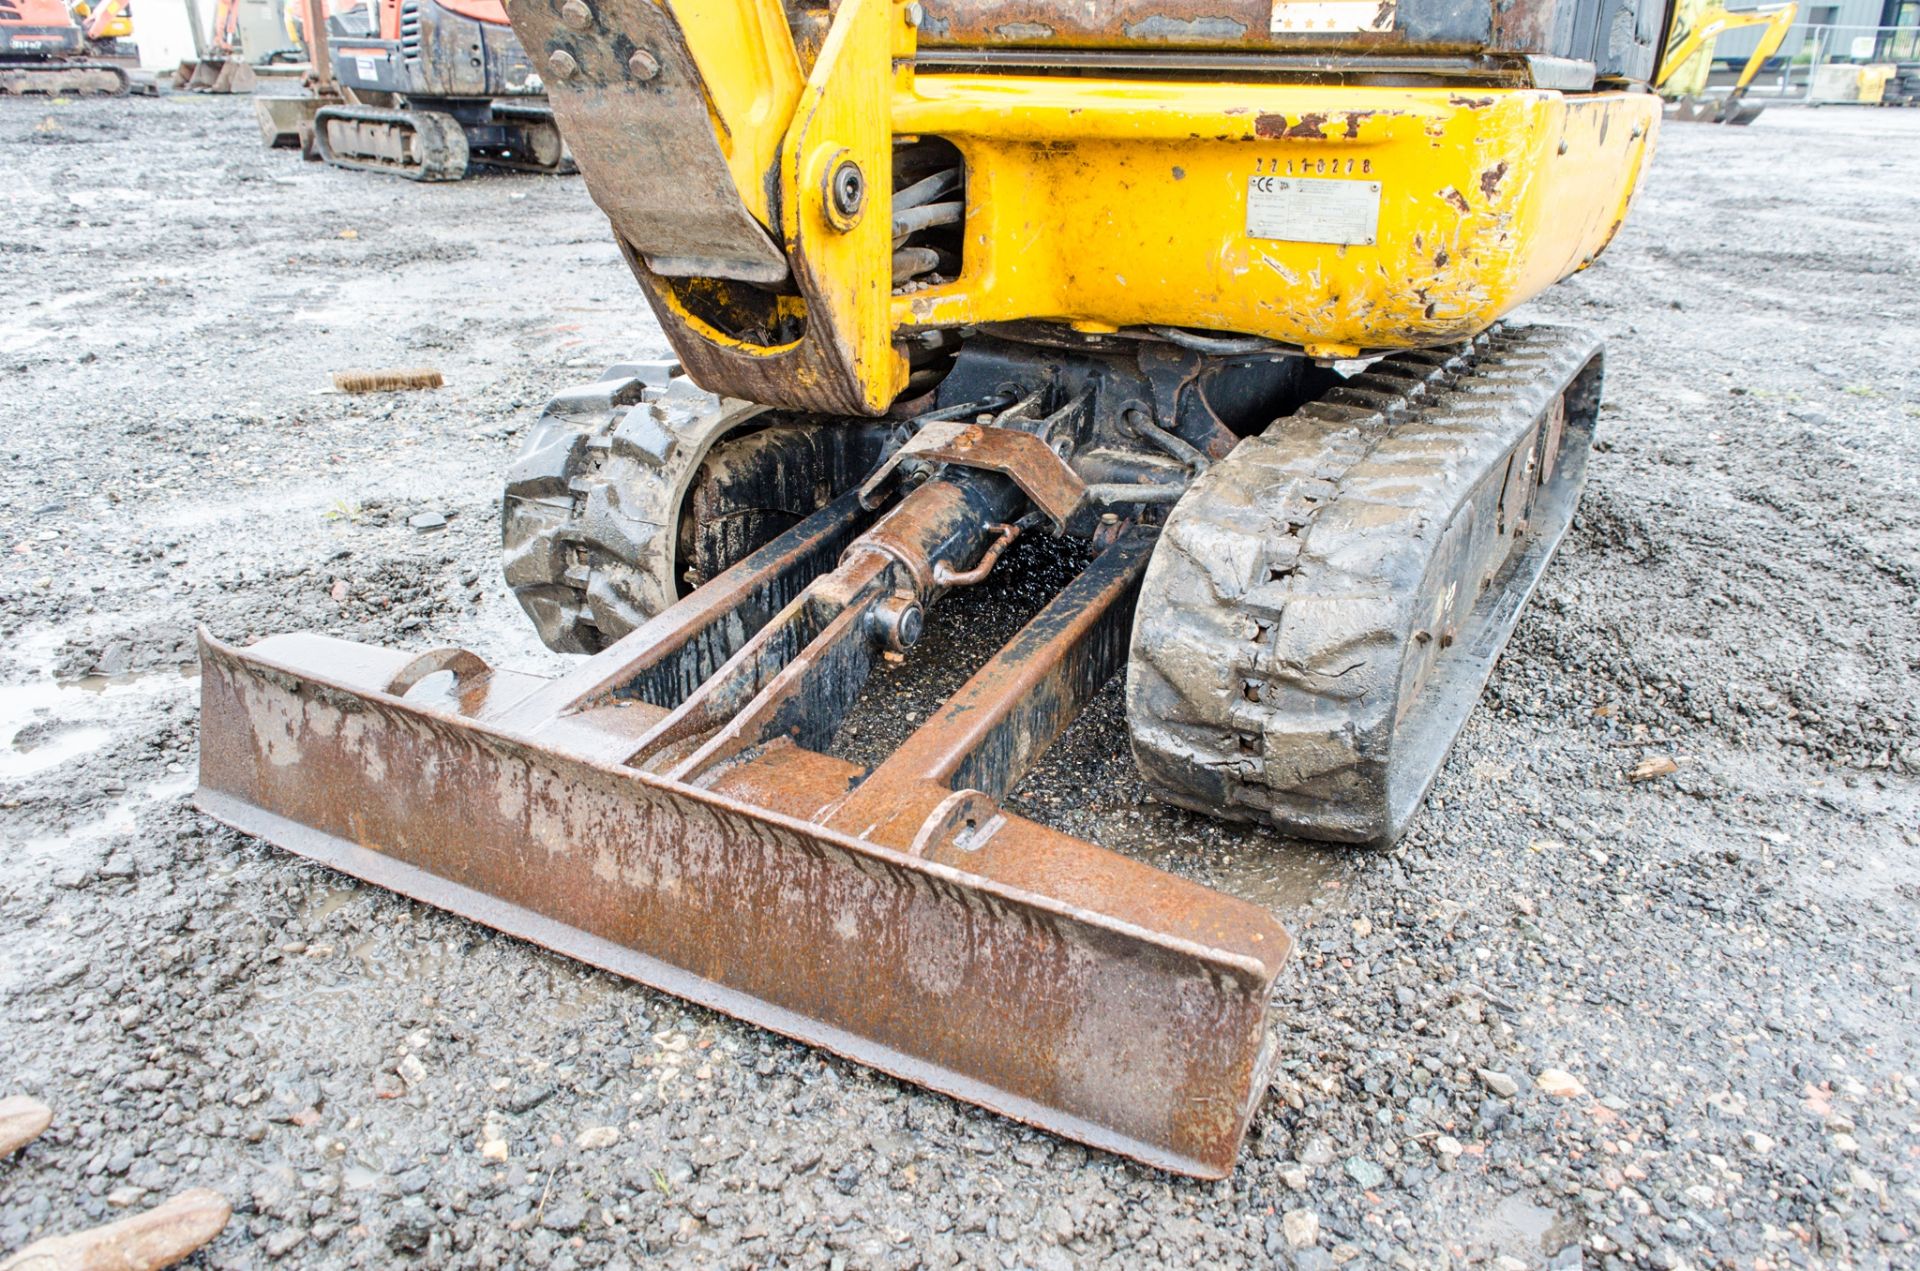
<point>668,810</point>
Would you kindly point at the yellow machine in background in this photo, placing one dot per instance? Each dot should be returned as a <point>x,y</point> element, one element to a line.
<point>1697,25</point>
<point>115,20</point>
<point>1209,291</point>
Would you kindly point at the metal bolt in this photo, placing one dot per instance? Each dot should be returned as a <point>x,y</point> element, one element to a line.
<point>560,65</point>
<point>899,620</point>
<point>849,187</point>
<point>643,65</point>
<point>916,14</point>
<point>576,14</point>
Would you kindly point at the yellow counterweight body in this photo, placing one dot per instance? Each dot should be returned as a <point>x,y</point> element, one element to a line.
<point>1335,219</point>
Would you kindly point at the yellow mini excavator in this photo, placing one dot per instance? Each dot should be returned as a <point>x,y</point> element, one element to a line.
<point>1697,27</point>
<point>1208,292</point>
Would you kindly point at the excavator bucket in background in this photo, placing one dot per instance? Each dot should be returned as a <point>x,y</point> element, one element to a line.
<point>668,811</point>
<point>251,40</point>
<point>286,107</point>
<point>1737,111</point>
<point>215,75</point>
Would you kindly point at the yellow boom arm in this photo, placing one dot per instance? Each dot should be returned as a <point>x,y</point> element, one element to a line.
<point>107,21</point>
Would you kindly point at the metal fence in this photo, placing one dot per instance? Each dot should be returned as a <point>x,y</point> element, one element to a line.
<point>1800,76</point>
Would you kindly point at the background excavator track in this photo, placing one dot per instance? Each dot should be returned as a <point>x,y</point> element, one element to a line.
<point>421,145</point>
<point>64,79</point>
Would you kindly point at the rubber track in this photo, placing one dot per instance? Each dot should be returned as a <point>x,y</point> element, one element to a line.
<point>442,142</point>
<point>590,518</point>
<point>63,79</point>
<point>1301,653</point>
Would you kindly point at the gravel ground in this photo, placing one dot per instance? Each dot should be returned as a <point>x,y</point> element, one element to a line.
<point>1573,1020</point>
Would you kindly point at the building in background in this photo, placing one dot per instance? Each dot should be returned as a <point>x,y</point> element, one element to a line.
<point>1837,24</point>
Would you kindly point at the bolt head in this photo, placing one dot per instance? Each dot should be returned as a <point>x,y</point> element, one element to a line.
<point>913,620</point>
<point>916,14</point>
<point>561,65</point>
<point>899,621</point>
<point>643,65</point>
<point>576,14</point>
<point>849,188</point>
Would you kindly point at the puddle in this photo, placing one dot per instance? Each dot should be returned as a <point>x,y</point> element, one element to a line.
<point>322,905</point>
<point>585,996</point>
<point>360,1178</point>
<point>48,723</point>
<point>61,718</point>
<point>18,337</point>
<point>48,750</point>
<point>116,821</point>
<point>1521,1228</point>
<point>414,964</point>
<point>1281,877</point>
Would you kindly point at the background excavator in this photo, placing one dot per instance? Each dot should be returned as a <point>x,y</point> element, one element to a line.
<point>1208,294</point>
<point>1697,26</point>
<point>424,89</point>
<point>47,47</point>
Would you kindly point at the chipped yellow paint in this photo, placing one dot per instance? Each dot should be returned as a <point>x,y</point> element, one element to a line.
<point>1124,203</point>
